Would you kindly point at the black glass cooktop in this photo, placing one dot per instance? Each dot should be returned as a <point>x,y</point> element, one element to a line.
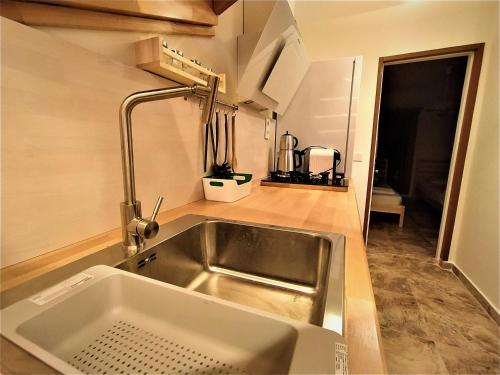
<point>306,178</point>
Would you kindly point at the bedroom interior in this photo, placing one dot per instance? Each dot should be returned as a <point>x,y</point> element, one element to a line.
<point>419,109</point>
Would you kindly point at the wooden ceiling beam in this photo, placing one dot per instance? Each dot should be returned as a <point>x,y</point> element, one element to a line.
<point>191,11</point>
<point>220,6</point>
<point>36,14</point>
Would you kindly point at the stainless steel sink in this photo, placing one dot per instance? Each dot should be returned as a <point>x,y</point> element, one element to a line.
<point>294,273</point>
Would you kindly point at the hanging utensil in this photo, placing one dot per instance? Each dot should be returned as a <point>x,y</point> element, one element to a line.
<point>205,151</point>
<point>234,161</point>
<point>212,139</point>
<point>226,131</point>
<point>217,120</point>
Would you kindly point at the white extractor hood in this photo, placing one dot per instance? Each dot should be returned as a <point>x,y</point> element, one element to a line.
<point>271,62</point>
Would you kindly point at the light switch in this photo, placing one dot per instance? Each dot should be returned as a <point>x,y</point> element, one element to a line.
<point>267,128</point>
<point>358,157</point>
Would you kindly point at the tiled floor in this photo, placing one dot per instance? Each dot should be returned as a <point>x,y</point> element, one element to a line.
<point>430,322</point>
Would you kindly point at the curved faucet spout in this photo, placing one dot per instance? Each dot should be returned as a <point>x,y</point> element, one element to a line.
<point>126,108</point>
<point>134,227</point>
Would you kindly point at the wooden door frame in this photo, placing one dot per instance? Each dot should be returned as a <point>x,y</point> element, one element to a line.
<point>476,51</point>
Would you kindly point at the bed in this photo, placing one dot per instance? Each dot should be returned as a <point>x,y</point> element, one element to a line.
<point>386,199</point>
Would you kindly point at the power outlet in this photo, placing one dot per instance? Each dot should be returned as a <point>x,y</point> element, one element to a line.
<point>267,128</point>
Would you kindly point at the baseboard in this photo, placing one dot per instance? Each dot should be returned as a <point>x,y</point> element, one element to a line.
<point>492,311</point>
<point>446,265</point>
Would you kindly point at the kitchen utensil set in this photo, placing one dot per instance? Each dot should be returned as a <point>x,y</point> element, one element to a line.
<point>212,136</point>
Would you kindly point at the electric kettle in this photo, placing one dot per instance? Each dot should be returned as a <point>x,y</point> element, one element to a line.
<point>289,159</point>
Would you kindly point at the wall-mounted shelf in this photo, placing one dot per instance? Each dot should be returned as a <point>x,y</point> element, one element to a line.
<point>152,56</point>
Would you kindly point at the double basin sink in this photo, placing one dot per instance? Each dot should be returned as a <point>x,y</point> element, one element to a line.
<point>270,284</point>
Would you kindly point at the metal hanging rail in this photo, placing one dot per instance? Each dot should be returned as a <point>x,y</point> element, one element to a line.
<point>232,107</point>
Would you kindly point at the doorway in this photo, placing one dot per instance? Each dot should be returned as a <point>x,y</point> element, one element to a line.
<point>416,166</point>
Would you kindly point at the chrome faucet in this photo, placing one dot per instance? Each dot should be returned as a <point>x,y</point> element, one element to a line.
<point>135,228</point>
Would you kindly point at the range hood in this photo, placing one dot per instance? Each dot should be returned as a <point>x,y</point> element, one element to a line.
<point>271,62</point>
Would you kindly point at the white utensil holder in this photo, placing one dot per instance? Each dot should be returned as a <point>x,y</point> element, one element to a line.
<point>227,190</point>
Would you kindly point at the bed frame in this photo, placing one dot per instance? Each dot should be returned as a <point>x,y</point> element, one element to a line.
<point>381,167</point>
<point>391,209</point>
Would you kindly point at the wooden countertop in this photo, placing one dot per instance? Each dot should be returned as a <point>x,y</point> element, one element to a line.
<point>299,208</point>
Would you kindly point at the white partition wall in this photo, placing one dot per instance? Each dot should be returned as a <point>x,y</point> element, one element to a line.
<point>319,112</point>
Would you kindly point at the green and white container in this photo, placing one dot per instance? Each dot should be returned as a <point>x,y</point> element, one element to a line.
<point>227,190</point>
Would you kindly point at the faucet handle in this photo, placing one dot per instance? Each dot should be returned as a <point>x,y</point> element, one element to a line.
<point>159,201</point>
<point>148,228</point>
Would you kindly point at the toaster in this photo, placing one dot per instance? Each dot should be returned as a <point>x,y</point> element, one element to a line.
<point>319,159</point>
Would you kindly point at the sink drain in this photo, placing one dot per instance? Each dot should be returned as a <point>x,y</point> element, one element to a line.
<point>125,348</point>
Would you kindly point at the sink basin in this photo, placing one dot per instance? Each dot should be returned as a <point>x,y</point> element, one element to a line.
<point>293,273</point>
<point>108,321</point>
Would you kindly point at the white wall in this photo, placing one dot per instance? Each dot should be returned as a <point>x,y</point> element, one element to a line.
<point>475,248</point>
<point>61,167</point>
<point>375,29</point>
<point>319,111</point>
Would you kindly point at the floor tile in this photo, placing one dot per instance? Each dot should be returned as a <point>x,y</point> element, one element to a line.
<point>412,355</point>
<point>429,321</point>
<point>390,281</point>
<point>468,360</point>
<point>400,312</point>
